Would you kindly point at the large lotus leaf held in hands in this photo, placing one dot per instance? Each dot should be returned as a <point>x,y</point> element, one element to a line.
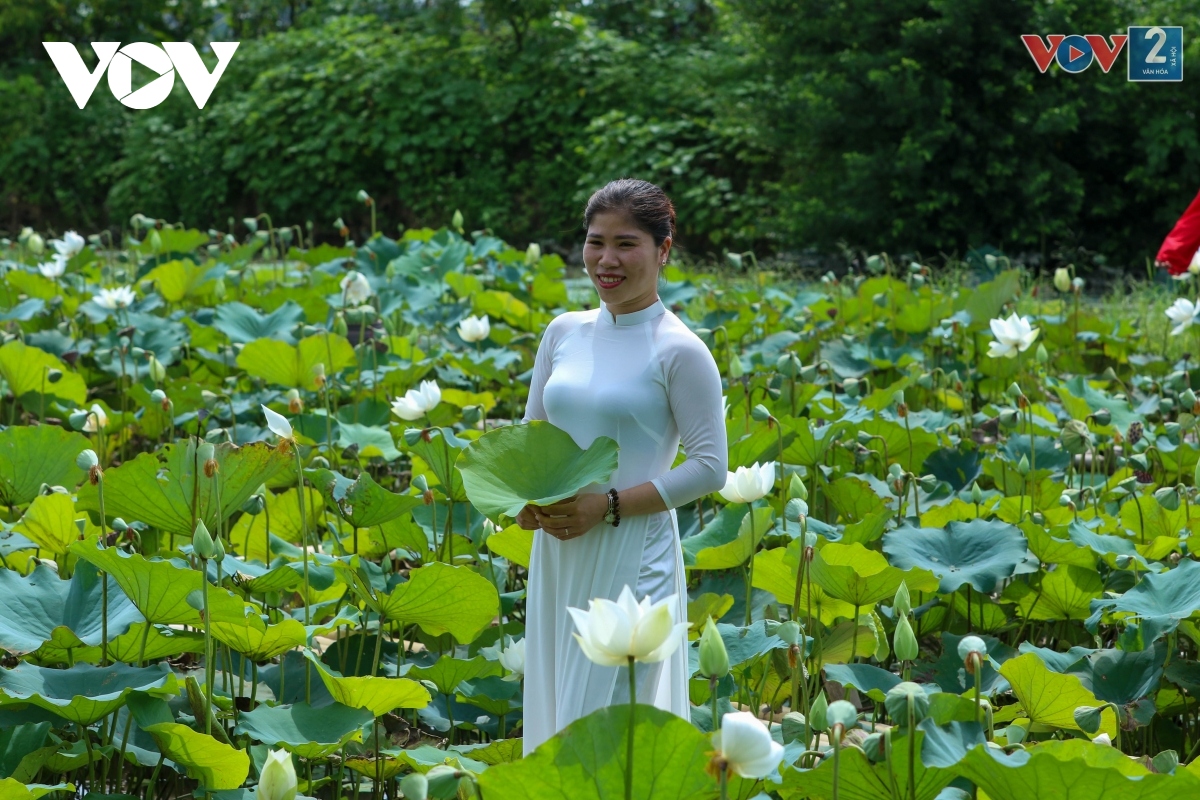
<point>535,462</point>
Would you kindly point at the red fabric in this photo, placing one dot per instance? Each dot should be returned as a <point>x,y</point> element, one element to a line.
<point>1183,240</point>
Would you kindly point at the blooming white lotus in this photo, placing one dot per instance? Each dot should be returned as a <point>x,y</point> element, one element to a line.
<point>1013,335</point>
<point>749,483</point>
<point>278,778</point>
<point>55,268</point>
<point>417,402</point>
<point>513,659</point>
<point>90,423</point>
<point>69,245</point>
<point>746,745</point>
<point>610,633</point>
<point>474,329</point>
<point>277,423</point>
<point>1183,313</point>
<point>112,299</point>
<point>356,288</point>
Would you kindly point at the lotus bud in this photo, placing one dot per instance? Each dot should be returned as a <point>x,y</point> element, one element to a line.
<point>976,493</point>
<point>905,698</point>
<point>1062,279</point>
<point>1014,390</point>
<point>295,403</point>
<point>1167,497</point>
<point>1023,465</point>
<point>35,244</point>
<point>254,505</point>
<point>339,324</point>
<point>904,642</point>
<point>533,254</point>
<point>1075,437</point>
<point>456,221</point>
<point>842,716</point>
<point>86,460</point>
<point>415,786</point>
<point>714,659</point>
<point>760,413</point>
<point>1088,718</point>
<point>1076,285</point>
<point>251,224</point>
<point>218,551</point>
<point>735,367</point>
<point>798,490</point>
<point>817,713</point>
<point>443,780</point>
<point>1041,354</point>
<point>972,650</point>
<point>902,603</point>
<point>202,541</point>
<point>1102,417</point>
<point>318,371</point>
<point>363,197</point>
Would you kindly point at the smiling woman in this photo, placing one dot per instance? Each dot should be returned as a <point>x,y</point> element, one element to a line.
<point>632,371</point>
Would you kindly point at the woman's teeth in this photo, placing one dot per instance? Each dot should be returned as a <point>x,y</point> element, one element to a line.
<point>609,283</point>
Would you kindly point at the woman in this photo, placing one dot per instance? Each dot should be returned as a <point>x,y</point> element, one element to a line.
<point>632,371</point>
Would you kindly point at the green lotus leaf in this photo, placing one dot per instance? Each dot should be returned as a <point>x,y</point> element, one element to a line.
<point>809,445</point>
<point>735,553</point>
<point>24,369</point>
<point>1074,769</point>
<point>1064,593</point>
<point>493,694</point>
<point>441,453</point>
<point>1114,676</point>
<point>586,761</point>
<point>243,324</point>
<point>1051,549</point>
<point>1050,698</point>
<point>447,673</point>
<point>536,462</point>
<point>859,779</point>
<point>980,553</point>
<point>862,577</point>
<point>514,543</point>
<point>1160,600</point>
<point>372,442</point>
<point>83,693</point>
<point>255,639</point>
<point>442,598</point>
<point>376,694</point>
<point>49,522</point>
<point>41,605</point>
<point>160,642</point>
<point>160,589</point>
<point>11,789</point>
<point>720,530</point>
<point>870,680</point>
<point>214,764</point>
<point>361,502</point>
<point>159,491</point>
<point>313,733</point>
<point>855,499</point>
<point>292,366</point>
<point>248,534</point>
<point>33,455</point>
<point>775,571</point>
<point>741,644</point>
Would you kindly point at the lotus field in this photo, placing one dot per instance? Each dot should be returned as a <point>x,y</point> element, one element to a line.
<point>257,505</point>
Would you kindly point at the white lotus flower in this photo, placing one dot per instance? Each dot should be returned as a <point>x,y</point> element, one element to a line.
<point>474,329</point>
<point>1103,738</point>
<point>69,245</point>
<point>1013,335</point>
<point>1183,313</point>
<point>416,402</point>
<point>749,483</point>
<point>746,745</point>
<point>513,659</point>
<point>55,268</point>
<point>610,633</point>
<point>356,288</point>
<point>278,423</point>
<point>112,299</point>
<point>89,424</point>
<point>278,778</point>
<point>1194,267</point>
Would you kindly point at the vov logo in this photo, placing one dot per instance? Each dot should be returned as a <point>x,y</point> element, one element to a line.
<point>164,61</point>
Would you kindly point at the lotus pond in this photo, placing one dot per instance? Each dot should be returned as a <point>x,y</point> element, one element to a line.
<point>246,552</point>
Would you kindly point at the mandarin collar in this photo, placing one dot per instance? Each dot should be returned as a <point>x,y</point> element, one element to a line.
<point>634,317</point>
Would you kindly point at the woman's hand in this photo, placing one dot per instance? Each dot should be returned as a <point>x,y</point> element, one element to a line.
<point>572,517</point>
<point>527,519</point>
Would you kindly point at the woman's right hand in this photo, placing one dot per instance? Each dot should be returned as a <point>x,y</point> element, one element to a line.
<point>526,519</point>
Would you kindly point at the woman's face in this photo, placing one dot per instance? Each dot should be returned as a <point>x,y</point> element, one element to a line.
<point>623,262</point>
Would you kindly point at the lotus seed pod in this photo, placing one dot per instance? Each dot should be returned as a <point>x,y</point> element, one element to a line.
<point>1014,390</point>
<point>789,365</point>
<point>1075,437</point>
<point>842,716</point>
<point>362,196</point>
<point>35,244</point>
<point>902,603</point>
<point>918,281</point>
<point>1166,762</point>
<point>119,524</point>
<point>905,698</point>
<point>472,414</point>
<point>972,650</point>
<point>714,659</point>
<point>339,324</point>
<point>1102,417</point>
<point>443,781</point>
<point>898,397</point>
<point>1167,497</point>
<point>875,264</point>
<point>1008,417</point>
<point>158,395</point>
<point>415,786</point>
<point>202,542</point>
<point>53,375</point>
<point>420,482</point>
<point>251,223</point>
<point>86,460</point>
<point>817,713</point>
<point>875,746</point>
<point>905,641</point>
<point>1015,734</point>
<point>795,510</point>
<point>1088,718</point>
<point>927,482</point>
<point>254,505</point>
<point>760,413</point>
<point>1038,518</point>
<point>295,403</point>
<point>206,452</point>
<point>925,380</point>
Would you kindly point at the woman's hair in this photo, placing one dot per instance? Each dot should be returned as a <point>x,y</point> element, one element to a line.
<point>651,209</point>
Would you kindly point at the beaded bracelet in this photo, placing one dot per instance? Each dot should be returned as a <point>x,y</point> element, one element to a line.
<point>614,506</point>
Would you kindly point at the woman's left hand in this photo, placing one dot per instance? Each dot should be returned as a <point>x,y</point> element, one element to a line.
<point>573,516</point>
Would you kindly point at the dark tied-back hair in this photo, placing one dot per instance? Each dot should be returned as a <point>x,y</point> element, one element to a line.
<point>651,209</point>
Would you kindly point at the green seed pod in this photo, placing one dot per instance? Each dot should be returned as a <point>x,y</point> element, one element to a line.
<point>1075,437</point>
<point>714,659</point>
<point>1102,417</point>
<point>905,642</point>
<point>851,386</point>
<point>202,541</point>
<point>1088,718</point>
<point>902,603</point>
<point>119,524</point>
<point>1167,497</point>
<point>875,746</point>
<point>206,452</point>
<point>443,782</point>
<point>898,397</point>
<point>415,786</point>
<point>53,375</point>
<point>795,509</point>
<point>1008,417</point>
<point>842,713</point>
<point>904,698</point>
<point>760,413</point>
<point>969,646</point>
<point>875,265</point>
<point>1014,390</point>
<point>86,460</point>
<point>254,505</point>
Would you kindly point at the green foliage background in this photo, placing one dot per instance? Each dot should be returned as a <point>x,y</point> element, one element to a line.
<point>918,126</point>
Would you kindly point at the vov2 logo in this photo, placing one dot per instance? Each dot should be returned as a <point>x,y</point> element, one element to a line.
<point>164,61</point>
<point>1155,52</point>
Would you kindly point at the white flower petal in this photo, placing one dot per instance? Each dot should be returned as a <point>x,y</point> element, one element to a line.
<point>277,423</point>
